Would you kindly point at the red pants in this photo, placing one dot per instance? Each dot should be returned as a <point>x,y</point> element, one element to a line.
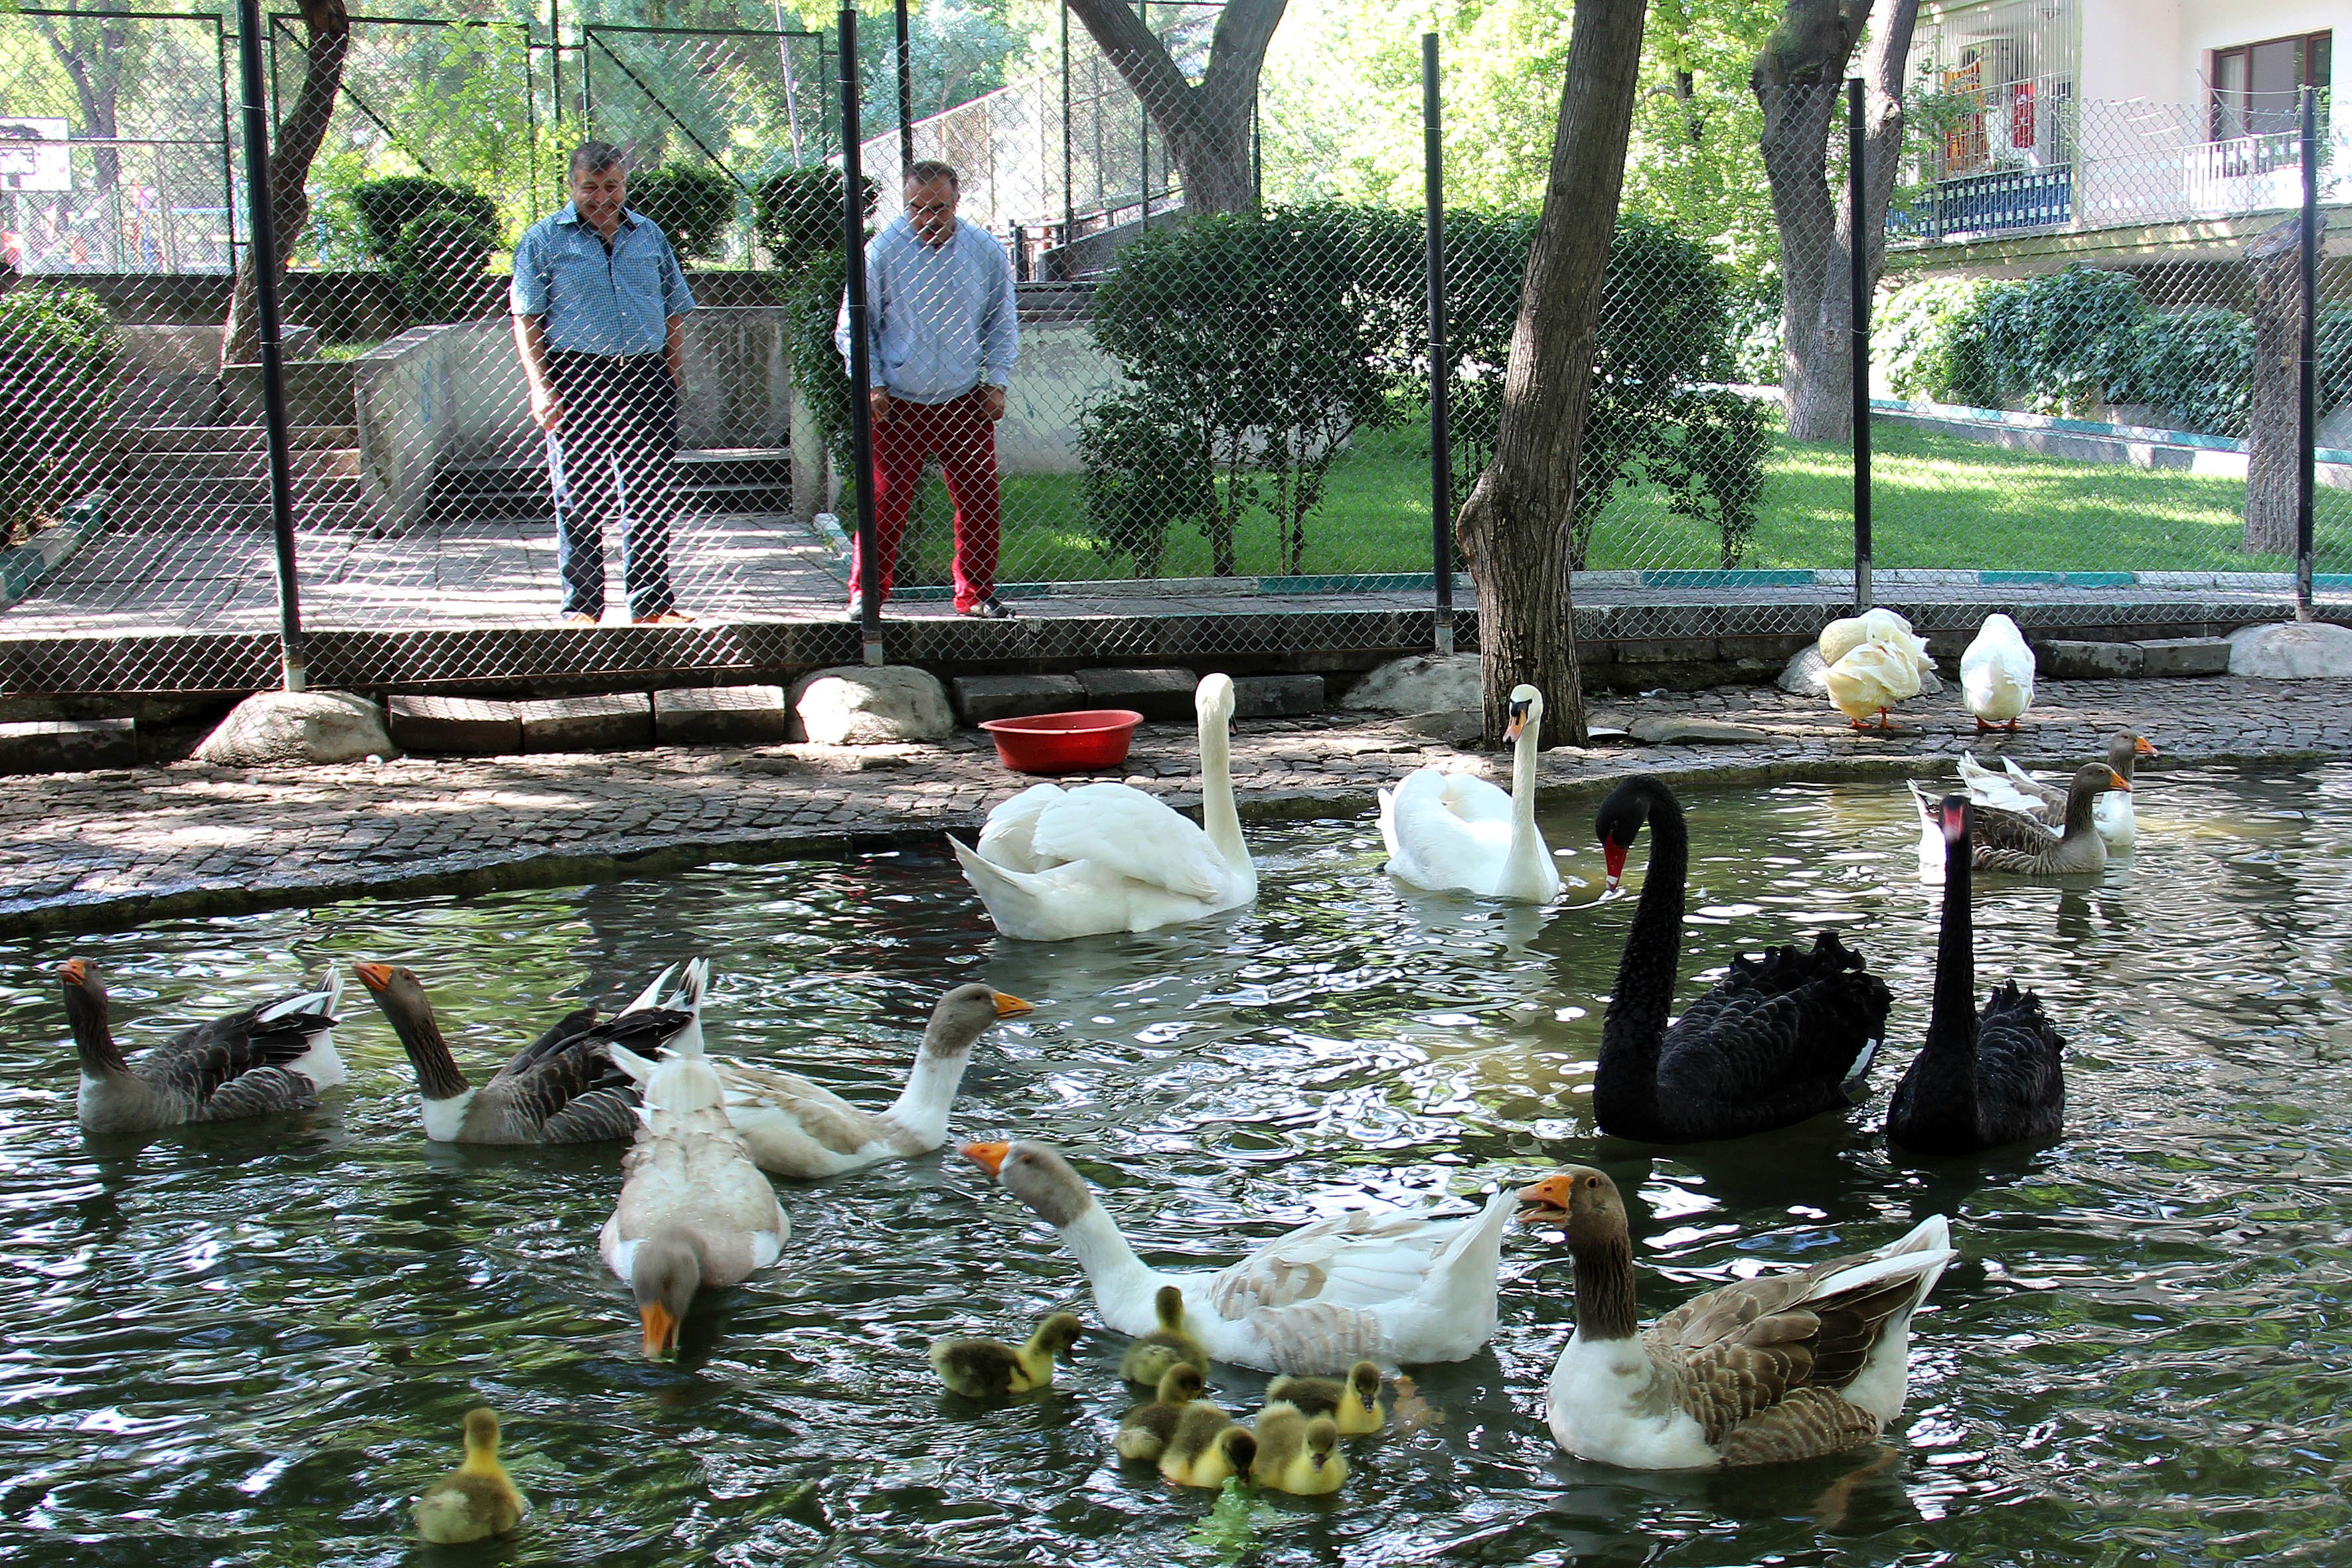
<point>964,440</point>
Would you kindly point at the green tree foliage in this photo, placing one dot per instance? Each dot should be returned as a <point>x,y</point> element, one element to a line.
<point>1257,344</point>
<point>798,213</point>
<point>437,266</point>
<point>693,204</point>
<point>58,360</point>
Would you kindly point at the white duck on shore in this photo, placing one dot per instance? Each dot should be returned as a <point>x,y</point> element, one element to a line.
<point>1997,675</point>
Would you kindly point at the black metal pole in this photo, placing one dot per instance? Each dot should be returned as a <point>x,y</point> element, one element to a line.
<point>906,89</point>
<point>2307,416</point>
<point>1858,354</point>
<point>1143,218</point>
<point>1069,195</point>
<point>861,411</point>
<point>556,56</point>
<point>1441,364</point>
<point>261,251</point>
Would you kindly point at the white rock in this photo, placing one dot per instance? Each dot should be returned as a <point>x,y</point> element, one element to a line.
<point>2292,650</point>
<point>1658,730</point>
<point>1806,676</point>
<point>1424,683</point>
<point>857,706</point>
<point>297,727</point>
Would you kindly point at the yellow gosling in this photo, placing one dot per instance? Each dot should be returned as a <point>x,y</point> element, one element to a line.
<point>476,1500</point>
<point>1353,1403</point>
<point>1148,1356</point>
<point>1144,1431</point>
<point>1206,1447</point>
<point>1297,1454</point>
<point>991,1369</point>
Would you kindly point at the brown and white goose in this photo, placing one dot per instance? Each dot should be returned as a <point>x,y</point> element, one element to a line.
<point>1781,1367</point>
<point>271,1058</point>
<point>2021,845</point>
<point>802,1130</point>
<point>563,1088</point>
<point>2014,789</point>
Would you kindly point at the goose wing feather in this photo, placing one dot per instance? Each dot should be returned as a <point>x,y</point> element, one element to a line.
<point>1444,824</point>
<point>831,1123</point>
<point>203,1062</point>
<point>1007,837</point>
<point>566,1084</point>
<point>1134,834</point>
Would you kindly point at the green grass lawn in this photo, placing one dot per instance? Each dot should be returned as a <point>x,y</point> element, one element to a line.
<point>1936,501</point>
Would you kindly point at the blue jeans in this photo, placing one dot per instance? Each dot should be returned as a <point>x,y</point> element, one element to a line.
<point>614,454</point>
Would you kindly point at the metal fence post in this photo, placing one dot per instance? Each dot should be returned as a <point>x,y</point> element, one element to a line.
<point>1858,354</point>
<point>906,89</point>
<point>861,411</point>
<point>2307,416</point>
<point>261,251</point>
<point>1441,368</point>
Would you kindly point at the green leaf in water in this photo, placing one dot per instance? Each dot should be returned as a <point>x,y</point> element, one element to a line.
<point>1229,1530</point>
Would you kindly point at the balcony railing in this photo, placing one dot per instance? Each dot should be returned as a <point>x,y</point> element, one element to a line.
<point>1974,206</point>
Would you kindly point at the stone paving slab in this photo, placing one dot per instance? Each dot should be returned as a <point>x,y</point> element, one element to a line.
<point>108,849</point>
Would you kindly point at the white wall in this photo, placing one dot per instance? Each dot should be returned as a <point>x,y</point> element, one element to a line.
<point>2159,50</point>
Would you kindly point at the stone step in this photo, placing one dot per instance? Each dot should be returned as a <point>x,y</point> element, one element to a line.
<point>68,745</point>
<point>230,437</point>
<point>339,462</point>
<point>130,513</point>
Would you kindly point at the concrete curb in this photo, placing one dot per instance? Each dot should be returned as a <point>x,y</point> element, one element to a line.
<point>27,566</point>
<point>662,855</point>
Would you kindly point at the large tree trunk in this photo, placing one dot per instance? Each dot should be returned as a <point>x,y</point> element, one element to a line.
<point>2274,401</point>
<point>1797,80</point>
<point>1207,127</point>
<point>327,29</point>
<point>1514,530</point>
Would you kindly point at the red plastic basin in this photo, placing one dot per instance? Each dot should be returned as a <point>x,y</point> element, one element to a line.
<point>1084,741</point>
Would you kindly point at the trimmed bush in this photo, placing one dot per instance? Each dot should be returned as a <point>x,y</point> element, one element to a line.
<point>57,361</point>
<point>798,213</point>
<point>438,266</point>
<point>693,204</point>
<point>386,207</point>
<point>2198,366</point>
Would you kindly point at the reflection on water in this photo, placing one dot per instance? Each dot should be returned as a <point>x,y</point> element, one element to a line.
<point>253,1343</point>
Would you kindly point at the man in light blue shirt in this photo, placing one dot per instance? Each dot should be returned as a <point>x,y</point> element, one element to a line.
<point>599,306</point>
<point>944,335</point>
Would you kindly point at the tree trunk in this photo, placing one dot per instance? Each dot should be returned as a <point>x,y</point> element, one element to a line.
<point>327,29</point>
<point>1206,128</point>
<point>1797,80</point>
<point>1514,528</point>
<point>2274,400</point>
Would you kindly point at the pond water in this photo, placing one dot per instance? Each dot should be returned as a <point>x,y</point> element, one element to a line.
<point>253,1343</point>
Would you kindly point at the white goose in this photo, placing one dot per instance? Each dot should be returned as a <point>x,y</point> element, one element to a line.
<point>1394,1286</point>
<point>1054,864</point>
<point>802,1130</point>
<point>1997,674</point>
<point>1875,661</point>
<point>694,1209</point>
<point>1455,831</point>
<point>1778,1368</point>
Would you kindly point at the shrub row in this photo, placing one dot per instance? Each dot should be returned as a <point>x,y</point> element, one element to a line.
<point>57,362</point>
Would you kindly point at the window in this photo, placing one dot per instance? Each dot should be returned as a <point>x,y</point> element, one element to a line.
<point>2257,87</point>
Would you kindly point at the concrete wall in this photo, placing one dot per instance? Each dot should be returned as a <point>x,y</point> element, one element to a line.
<point>436,398</point>
<point>1060,376</point>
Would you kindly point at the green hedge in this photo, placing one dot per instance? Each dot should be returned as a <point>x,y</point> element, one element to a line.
<point>2070,342</point>
<point>693,204</point>
<point>57,361</point>
<point>437,267</point>
<point>387,208</point>
<point>798,213</point>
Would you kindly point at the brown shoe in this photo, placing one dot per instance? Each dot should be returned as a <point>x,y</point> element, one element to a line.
<point>666,618</point>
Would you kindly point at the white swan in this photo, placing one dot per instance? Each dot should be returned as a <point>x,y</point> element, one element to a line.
<point>1447,831</point>
<point>1055,863</point>
<point>1997,674</point>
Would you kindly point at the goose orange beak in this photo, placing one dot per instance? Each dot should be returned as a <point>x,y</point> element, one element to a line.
<point>989,1157</point>
<point>375,976</point>
<point>71,970</point>
<point>1011,1006</point>
<point>2144,747</point>
<point>1547,1199</point>
<point>661,1331</point>
<point>2118,780</point>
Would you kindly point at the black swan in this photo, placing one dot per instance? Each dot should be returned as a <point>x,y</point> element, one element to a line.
<point>1778,1040</point>
<point>1982,1080</point>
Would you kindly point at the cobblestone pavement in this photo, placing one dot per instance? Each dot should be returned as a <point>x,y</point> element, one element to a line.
<point>110,848</point>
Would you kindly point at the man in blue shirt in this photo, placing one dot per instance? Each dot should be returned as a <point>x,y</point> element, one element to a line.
<point>599,306</point>
<point>944,334</point>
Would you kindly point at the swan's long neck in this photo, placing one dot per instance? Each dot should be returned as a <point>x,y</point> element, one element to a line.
<point>1524,862</point>
<point>1112,1267</point>
<point>923,1105</point>
<point>1605,1308</point>
<point>1218,817</point>
<point>1625,1080</point>
<point>1950,1052</point>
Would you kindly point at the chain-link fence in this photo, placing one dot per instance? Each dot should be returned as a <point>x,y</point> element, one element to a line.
<point>1215,434</point>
